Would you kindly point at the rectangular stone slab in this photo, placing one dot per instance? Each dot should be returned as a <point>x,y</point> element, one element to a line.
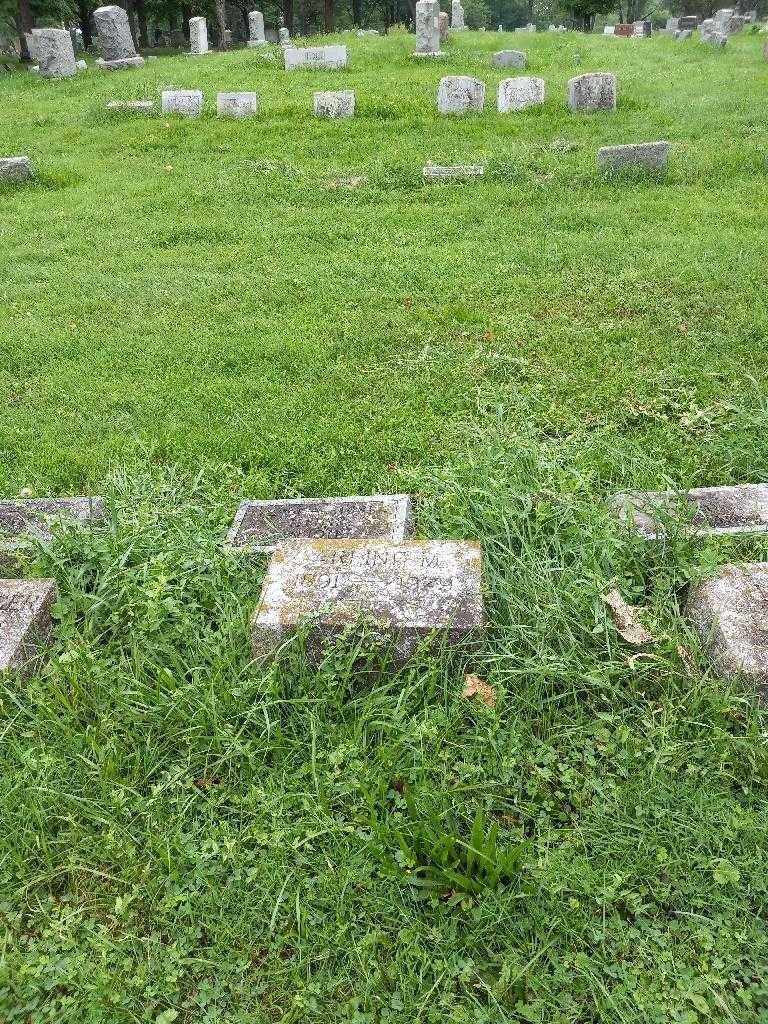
<point>25,518</point>
<point>327,57</point>
<point>435,172</point>
<point>649,155</point>
<point>407,594</point>
<point>702,510</point>
<point>25,622</point>
<point>260,525</point>
<point>730,614</point>
<point>16,168</point>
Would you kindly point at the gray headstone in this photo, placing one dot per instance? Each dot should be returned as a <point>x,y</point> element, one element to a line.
<point>186,102</point>
<point>519,94</point>
<point>198,36</point>
<point>442,21</point>
<point>457,16</point>
<point>437,172</point>
<point>324,57</point>
<point>55,55</point>
<point>673,24</point>
<point>139,106</point>
<point>460,94</point>
<point>334,104</point>
<point>729,612</point>
<point>115,39</point>
<point>283,36</point>
<point>588,94</point>
<point>427,28</point>
<point>510,59</point>
<point>237,104</point>
<point>409,594</point>
<point>16,168</point>
<point>649,155</point>
<point>259,525</point>
<point>256,29</point>
<point>681,35</point>
<point>25,622</point>
<point>703,510</point>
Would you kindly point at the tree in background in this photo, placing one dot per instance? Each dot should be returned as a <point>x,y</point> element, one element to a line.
<point>584,11</point>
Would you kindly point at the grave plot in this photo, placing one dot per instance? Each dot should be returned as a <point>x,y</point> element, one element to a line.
<point>703,510</point>
<point>22,519</point>
<point>260,525</point>
<point>408,595</point>
<point>25,622</point>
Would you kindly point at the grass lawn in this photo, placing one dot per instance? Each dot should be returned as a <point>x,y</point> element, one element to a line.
<point>194,312</point>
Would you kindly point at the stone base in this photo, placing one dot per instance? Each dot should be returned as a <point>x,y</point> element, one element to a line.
<point>203,54</point>
<point>25,622</point>
<point>253,43</point>
<point>118,65</point>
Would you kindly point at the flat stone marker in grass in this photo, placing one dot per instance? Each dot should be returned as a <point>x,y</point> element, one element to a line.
<point>428,29</point>
<point>198,37</point>
<point>237,104</point>
<point>25,519</point>
<point>256,29</point>
<point>437,172</point>
<point>184,102</point>
<point>703,511</point>
<point>327,58</point>
<point>730,614</point>
<point>649,156</point>
<point>138,106</point>
<point>25,622</point>
<point>407,593</point>
<point>260,525</point>
<point>334,104</point>
<point>55,53</point>
<point>588,94</point>
<point>510,59</point>
<point>460,94</point>
<point>516,94</point>
<point>16,168</point>
<point>115,39</point>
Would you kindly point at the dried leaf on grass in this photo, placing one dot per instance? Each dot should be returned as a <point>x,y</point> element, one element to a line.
<point>626,620</point>
<point>474,686</point>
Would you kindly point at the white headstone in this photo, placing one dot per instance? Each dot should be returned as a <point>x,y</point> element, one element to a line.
<point>325,57</point>
<point>186,102</point>
<point>460,94</point>
<point>457,16</point>
<point>437,172</point>
<point>284,37</point>
<point>519,94</point>
<point>256,29</point>
<point>427,28</point>
<point>138,106</point>
<point>335,104</point>
<point>510,59</point>
<point>198,36</point>
<point>237,104</point>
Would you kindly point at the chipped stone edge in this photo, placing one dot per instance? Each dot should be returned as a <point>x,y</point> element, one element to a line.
<point>33,640</point>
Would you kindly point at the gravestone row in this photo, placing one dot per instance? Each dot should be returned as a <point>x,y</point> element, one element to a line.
<point>190,103</point>
<point>462,94</point>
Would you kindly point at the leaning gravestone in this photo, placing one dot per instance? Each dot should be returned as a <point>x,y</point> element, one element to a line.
<point>729,612</point>
<point>510,59</point>
<point>460,94</point>
<point>115,39</point>
<point>185,102</point>
<point>701,511</point>
<point>334,104</point>
<point>25,622</point>
<point>650,156</point>
<point>198,37</point>
<point>409,595</point>
<point>55,54</point>
<point>427,28</point>
<point>588,94</point>
<point>16,168</point>
<point>436,172</point>
<point>457,16</point>
<point>519,94</point>
<point>237,104</point>
<point>256,29</point>
<point>260,525</point>
<point>323,57</point>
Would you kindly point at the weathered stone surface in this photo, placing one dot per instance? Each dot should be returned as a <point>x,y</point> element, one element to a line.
<point>649,155</point>
<point>641,29</point>
<point>115,39</point>
<point>609,30</point>
<point>16,168</point>
<point>186,102</point>
<point>81,65</point>
<point>510,59</point>
<point>198,36</point>
<point>460,94</point>
<point>730,612</point>
<point>427,27</point>
<point>681,35</point>
<point>325,57</point>
<point>673,24</point>
<point>703,510</point>
<point>140,106</point>
<point>237,104</point>
<point>457,16</point>
<point>688,21</point>
<point>256,29</point>
<point>519,94</point>
<point>259,525</point>
<point>436,172</point>
<point>408,594</point>
<point>335,104</point>
<point>55,55</point>
<point>588,94</point>
<point>25,622</point>
<point>284,37</point>
<point>443,26</point>
<point>31,46</point>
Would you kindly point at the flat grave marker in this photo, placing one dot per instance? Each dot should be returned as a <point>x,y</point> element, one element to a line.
<point>25,622</point>
<point>741,508</point>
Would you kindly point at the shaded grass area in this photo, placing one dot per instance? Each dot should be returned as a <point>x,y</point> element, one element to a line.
<point>187,838</point>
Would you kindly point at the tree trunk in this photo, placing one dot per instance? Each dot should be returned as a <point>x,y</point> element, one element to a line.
<point>220,9</point>
<point>288,15</point>
<point>357,13</point>
<point>24,23</point>
<point>141,18</point>
<point>328,15</point>
<point>186,14</point>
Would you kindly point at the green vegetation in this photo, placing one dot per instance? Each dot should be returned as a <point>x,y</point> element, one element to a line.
<point>195,312</point>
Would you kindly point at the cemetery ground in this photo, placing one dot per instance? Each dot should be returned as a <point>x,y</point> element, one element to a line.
<point>194,312</point>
